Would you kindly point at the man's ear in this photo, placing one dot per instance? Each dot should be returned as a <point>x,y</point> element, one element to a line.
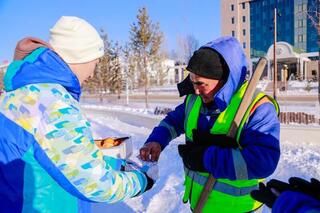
<point>185,87</point>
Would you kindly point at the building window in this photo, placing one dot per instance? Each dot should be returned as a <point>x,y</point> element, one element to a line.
<point>243,19</point>
<point>232,33</point>
<point>232,7</point>
<point>243,32</point>
<point>300,6</point>
<point>300,38</point>
<point>300,23</point>
<point>304,7</point>
<point>232,20</point>
<point>243,5</point>
<point>313,72</point>
<point>244,45</point>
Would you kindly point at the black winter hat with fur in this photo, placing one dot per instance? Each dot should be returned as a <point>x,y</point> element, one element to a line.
<point>208,63</point>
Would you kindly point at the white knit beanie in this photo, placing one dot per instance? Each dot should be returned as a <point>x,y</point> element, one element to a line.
<point>75,40</point>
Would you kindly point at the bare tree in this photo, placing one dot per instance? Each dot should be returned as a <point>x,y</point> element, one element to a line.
<point>102,74</point>
<point>146,40</point>
<point>115,80</point>
<point>187,46</point>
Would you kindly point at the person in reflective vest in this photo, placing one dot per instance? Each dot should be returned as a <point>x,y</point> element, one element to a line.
<point>214,89</point>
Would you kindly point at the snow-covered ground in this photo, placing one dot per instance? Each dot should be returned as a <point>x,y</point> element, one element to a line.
<point>300,157</point>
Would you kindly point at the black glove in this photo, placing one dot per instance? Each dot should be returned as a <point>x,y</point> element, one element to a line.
<point>311,188</point>
<point>208,139</point>
<point>150,182</point>
<point>264,195</point>
<point>268,194</point>
<point>278,186</point>
<point>192,156</point>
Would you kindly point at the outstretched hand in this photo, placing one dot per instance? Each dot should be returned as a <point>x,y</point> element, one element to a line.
<point>150,151</point>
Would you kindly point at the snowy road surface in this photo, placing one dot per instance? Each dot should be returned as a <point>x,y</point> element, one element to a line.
<point>300,156</point>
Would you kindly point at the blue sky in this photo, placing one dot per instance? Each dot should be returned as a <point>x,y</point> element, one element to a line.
<point>20,18</point>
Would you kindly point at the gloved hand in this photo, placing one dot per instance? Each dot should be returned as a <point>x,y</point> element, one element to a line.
<point>311,188</point>
<point>268,194</point>
<point>264,195</point>
<point>192,156</point>
<point>208,139</point>
<point>149,169</point>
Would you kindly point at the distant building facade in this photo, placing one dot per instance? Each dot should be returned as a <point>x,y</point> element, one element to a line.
<point>293,25</point>
<point>295,32</point>
<point>235,21</point>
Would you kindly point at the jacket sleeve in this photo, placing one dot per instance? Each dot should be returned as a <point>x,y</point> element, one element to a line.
<point>169,128</point>
<point>290,201</point>
<point>66,150</point>
<point>260,151</point>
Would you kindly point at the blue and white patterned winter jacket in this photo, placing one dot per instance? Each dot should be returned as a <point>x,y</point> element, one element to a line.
<point>48,159</point>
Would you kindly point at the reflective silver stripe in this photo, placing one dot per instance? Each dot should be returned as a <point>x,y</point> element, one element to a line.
<point>171,129</point>
<point>219,186</point>
<point>189,105</point>
<point>240,165</point>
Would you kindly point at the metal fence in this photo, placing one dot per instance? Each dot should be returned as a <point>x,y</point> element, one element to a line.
<point>284,117</point>
<point>298,118</point>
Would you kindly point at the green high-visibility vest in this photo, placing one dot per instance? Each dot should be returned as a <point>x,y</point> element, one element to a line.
<point>227,195</point>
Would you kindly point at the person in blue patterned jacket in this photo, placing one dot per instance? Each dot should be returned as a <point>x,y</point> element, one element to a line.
<point>214,89</point>
<point>48,159</point>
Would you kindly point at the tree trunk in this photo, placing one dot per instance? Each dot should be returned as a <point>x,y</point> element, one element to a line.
<point>119,93</point>
<point>100,96</point>
<point>146,79</point>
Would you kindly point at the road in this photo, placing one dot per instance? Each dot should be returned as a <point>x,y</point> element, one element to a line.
<point>307,104</point>
<point>126,117</point>
<point>287,133</point>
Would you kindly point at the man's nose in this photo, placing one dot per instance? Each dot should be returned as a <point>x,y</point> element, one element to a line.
<point>196,91</point>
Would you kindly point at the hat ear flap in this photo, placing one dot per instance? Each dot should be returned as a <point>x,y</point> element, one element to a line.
<point>185,87</point>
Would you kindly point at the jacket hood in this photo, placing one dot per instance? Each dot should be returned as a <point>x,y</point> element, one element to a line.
<point>233,54</point>
<point>41,66</point>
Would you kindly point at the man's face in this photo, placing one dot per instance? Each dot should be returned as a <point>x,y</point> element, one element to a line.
<point>205,87</point>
